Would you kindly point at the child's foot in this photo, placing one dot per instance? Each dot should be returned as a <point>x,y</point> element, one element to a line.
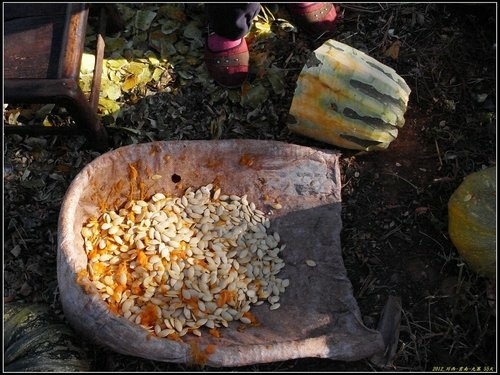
<point>227,60</point>
<point>314,18</point>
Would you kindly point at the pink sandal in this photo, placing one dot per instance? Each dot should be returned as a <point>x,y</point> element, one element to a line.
<point>229,67</point>
<point>316,18</point>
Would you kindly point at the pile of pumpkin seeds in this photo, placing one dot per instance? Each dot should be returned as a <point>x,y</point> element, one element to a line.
<point>177,264</point>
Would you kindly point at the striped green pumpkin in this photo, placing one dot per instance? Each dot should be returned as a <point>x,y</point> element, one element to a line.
<point>37,341</point>
<point>346,98</point>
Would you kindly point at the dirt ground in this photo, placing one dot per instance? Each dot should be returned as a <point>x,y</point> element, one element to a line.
<point>394,237</point>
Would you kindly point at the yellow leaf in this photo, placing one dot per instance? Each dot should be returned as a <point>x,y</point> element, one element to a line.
<point>259,31</point>
<point>135,67</point>
<point>46,122</point>
<point>107,106</point>
<point>157,74</point>
<point>263,27</point>
<point>130,82</point>
<point>85,83</point>
<point>88,61</point>
<point>116,64</point>
<point>111,90</point>
<point>152,58</point>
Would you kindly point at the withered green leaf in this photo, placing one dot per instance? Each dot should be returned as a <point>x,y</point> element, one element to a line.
<point>143,19</point>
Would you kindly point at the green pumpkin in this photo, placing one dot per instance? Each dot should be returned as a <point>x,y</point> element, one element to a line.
<point>346,98</point>
<point>472,221</point>
<point>36,341</point>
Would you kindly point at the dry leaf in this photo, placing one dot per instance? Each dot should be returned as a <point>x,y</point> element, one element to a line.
<point>143,19</point>
<point>87,65</point>
<point>16,251</point>
<point>173,12</point>
<point>276,77</point>
<point>255,96</point>
<point>393,50</point>
<point>108,106</point>
<point>110,90</point>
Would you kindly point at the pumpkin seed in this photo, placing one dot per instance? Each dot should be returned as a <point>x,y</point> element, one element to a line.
<point>310,263</point>
<point>186,249</point>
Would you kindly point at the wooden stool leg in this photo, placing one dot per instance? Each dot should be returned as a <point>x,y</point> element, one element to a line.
<point>66,93</point>
<point>85,116</point>
<point>51,75</point>
<point>99,56</point>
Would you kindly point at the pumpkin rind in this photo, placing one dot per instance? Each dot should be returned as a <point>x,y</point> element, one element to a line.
<point>472,221</point>
<point>34,340</point>
<point>349,99</point>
